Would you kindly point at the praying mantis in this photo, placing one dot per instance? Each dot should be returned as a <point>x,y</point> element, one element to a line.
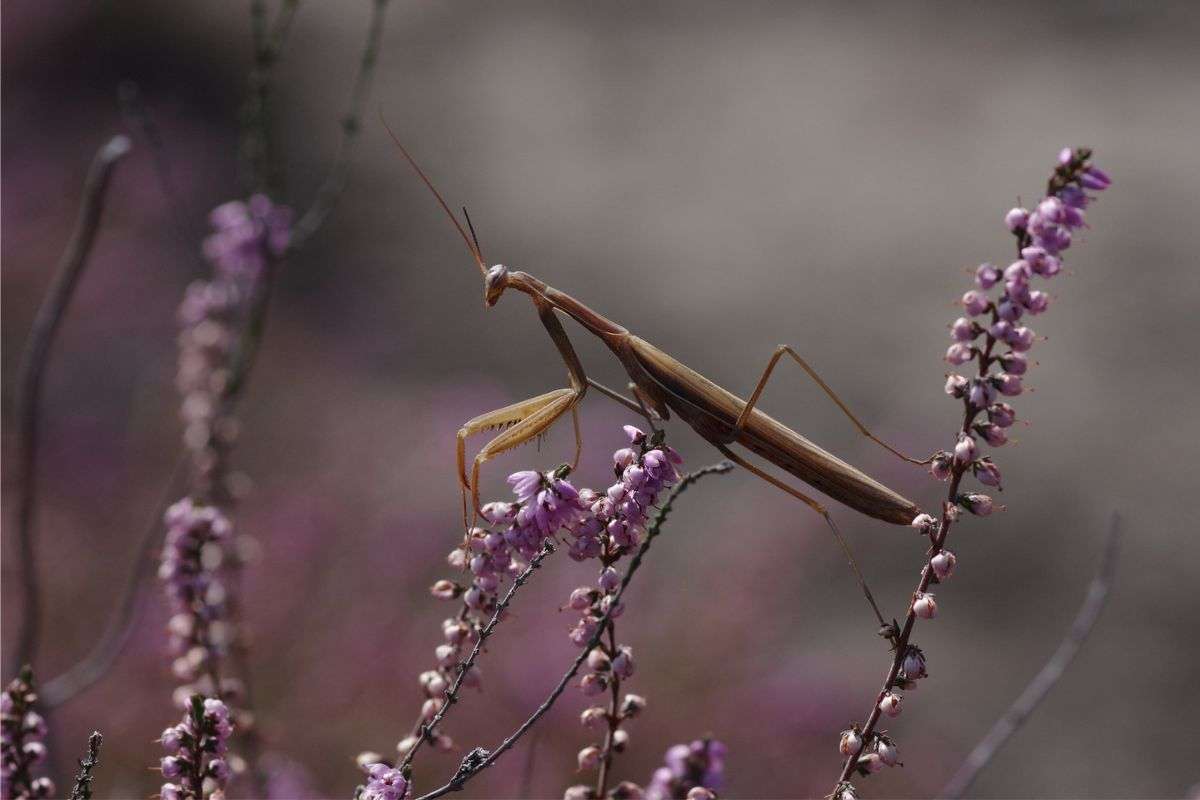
<point>662,384</point>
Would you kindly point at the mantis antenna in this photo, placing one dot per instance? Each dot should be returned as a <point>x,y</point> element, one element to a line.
<point>474,236</point>
<point>445,207</point>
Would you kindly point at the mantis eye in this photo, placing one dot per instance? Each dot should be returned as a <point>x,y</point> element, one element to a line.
<point>495,284</point>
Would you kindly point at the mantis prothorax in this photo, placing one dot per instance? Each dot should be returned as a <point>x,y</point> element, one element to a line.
<point>661,384</point>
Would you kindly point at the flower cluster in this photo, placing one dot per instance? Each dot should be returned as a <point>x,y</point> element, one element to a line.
<point>616,524</point>
<point>1000,339</point>
<point>246,235</point>
<point>693,771</point>
<point>992,334</point>
<point>197,764</point>
<point>199,634</point>
<point>384,782</point>
<point>546,503</point>
<point>22,731</point>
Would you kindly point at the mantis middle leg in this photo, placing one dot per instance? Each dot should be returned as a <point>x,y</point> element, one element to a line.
<point>820,509</point>
<point>812,373</point>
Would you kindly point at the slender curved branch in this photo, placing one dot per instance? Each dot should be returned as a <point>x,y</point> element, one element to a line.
<point>1048,676</point>
<point>479,759</point>
<point>83,781</point>
<point>451,696</point>
<point>33,366</point>
<point>93,666</point>
<point>335,182</point>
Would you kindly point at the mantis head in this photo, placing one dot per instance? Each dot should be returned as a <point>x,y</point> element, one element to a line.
<point>494,284</point>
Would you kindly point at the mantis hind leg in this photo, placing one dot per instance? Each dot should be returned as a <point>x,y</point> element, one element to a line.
<point>820,509</point>
<point>780,351</point>
<point>524,421</point>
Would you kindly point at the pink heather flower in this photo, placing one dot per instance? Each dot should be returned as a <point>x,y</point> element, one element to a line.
<point>870,763</point>
<point>890,705</point>
<point>594,717</point>
<point>991,433</point>
<point>978,504</point>
<point>964,451</point>
<point>1016,219</point>
<point>924,606</point>
<point>980,393</point>
<point>588,758</point>
<point>943,564</point>
<point>687,767</point>
<point>195,764</point>
<point>959,353</point>
<point>632,705</point>
<point>887,751</point>
<point>940,465</point>
<point>913,665</point>
<point>22,730</point>
<point>850,743</point>
<point>986,472</point>
<point>1014,363</point>
<point>975,302</point>
<point>1007,384</point>
<point>956,385</point>
<point>1002,414</point>
<point>924,523</point>
<point>963,330</point>
<point>384,783</point>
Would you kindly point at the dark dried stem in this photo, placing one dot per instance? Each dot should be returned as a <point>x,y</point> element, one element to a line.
<point>451,696</point>
<point>335,182</point>
<point>267,45</point>
<point>29,382</point>
<point>473,765</point>
<point>614,719</point>
<point>83,781</point>
<point>1048,676</point>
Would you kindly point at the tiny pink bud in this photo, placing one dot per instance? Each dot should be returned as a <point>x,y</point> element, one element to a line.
<point>622,664</point>
<point>594,717</point>
<point>1008,385</point>
<point>956,385</point>
<point>1002,414</point>
<point>593,684</point>
<point>405,745</point>
<point>620,740</point>
<point>445,590</point>
<point>701,793</point>
<point>964,451</point>
<point>992,434</point>
<point>986,472</point>
<point>1037,302</point>
<point>632,705</point>
<point>975,302</point>
<point>598,661</point>
<point>924,606</point>
<point>589,757</point>
<point>890,704</point>
<point>943,564</point>
<point>430,709</point>
<point>939,465</point>
<point>610,579</point>
<point>1021,339</point>
<point>446,654</point>
<point>887,751</point>
<point>959,353</point>
<point>850,743</point>
<point>871,762</point>
<point>581,598</point>
<point>1014,363</point>
<point>1016,219</point>
<point>978,504</point>
<point>963,330</point>
<point>913,664</point>
<point>986,276</point>
<point>923,523</point>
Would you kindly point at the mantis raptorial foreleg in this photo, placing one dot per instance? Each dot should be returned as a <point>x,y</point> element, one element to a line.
<point>527,420</point>
<point>820,509</point>
<point>812,373</point>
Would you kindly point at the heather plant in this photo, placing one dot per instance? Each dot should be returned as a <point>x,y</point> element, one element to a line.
<point>505,543</point>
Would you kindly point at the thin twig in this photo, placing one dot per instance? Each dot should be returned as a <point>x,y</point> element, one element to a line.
<point>93,666</point>
<point>451,696</point>
<point>1049,675</point>
<point>83,781</point>
<point>478,760</point>
<point>335,182</point>
<point>267,46</point>
<point>33,366</point>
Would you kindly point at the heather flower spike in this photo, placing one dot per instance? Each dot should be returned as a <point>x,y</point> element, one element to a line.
<point>994,335</point>
<point>22,741</point>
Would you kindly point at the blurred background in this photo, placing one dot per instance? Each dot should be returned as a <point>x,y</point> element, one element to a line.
<point>721,178</point>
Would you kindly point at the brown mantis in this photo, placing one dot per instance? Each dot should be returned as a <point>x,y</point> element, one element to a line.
<point>661,385</point>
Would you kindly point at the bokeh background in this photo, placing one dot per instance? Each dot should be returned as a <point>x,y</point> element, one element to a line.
<point>721,178</point>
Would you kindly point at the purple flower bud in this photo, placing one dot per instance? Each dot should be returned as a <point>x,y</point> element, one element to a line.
<point>978,504</point>
<point>1095,179</point>
<point>598,661</point>
<point>1008,385</point>
<point>1002,414</point>
<point>992,434</point>
<point>1074,197</point>
<point>589,758</point>
<point>850,743</point>
<point>622,664</point>
<point>913,664</point>
<point>980,393</point>
<point>1014,363</point>
<point>940,465</point>
<point>445,590</point>
<point>610,580</point>
<point>1049,267</point>
<point>593,684</point>
<point>635,435</point>
<point>924,523</point>
<point>943,564</point>
<point>890,704</point>
<point>632,705</point>
<point>1021,339</point>
<point>870,763</point>
<point>701,793</point>
<point>1036,302</point>
<point>959,353</point>
<point>582,598</point>
<point>887,751</point>
<point>594,717</point>
<point>1019,270</point>
<point>963,330</point>
<point>1000,330</point>
<point>956,385</point>
<point>964,451</point>
<point>170,791</point>
<point>171,767</point>
<point>1051,209</point>
<point>1009,311</point>
<point>923,605</point>
<point>975,302</point>
<point>1016,219</point>
<point>986,472</point>
<point>986,276</point>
